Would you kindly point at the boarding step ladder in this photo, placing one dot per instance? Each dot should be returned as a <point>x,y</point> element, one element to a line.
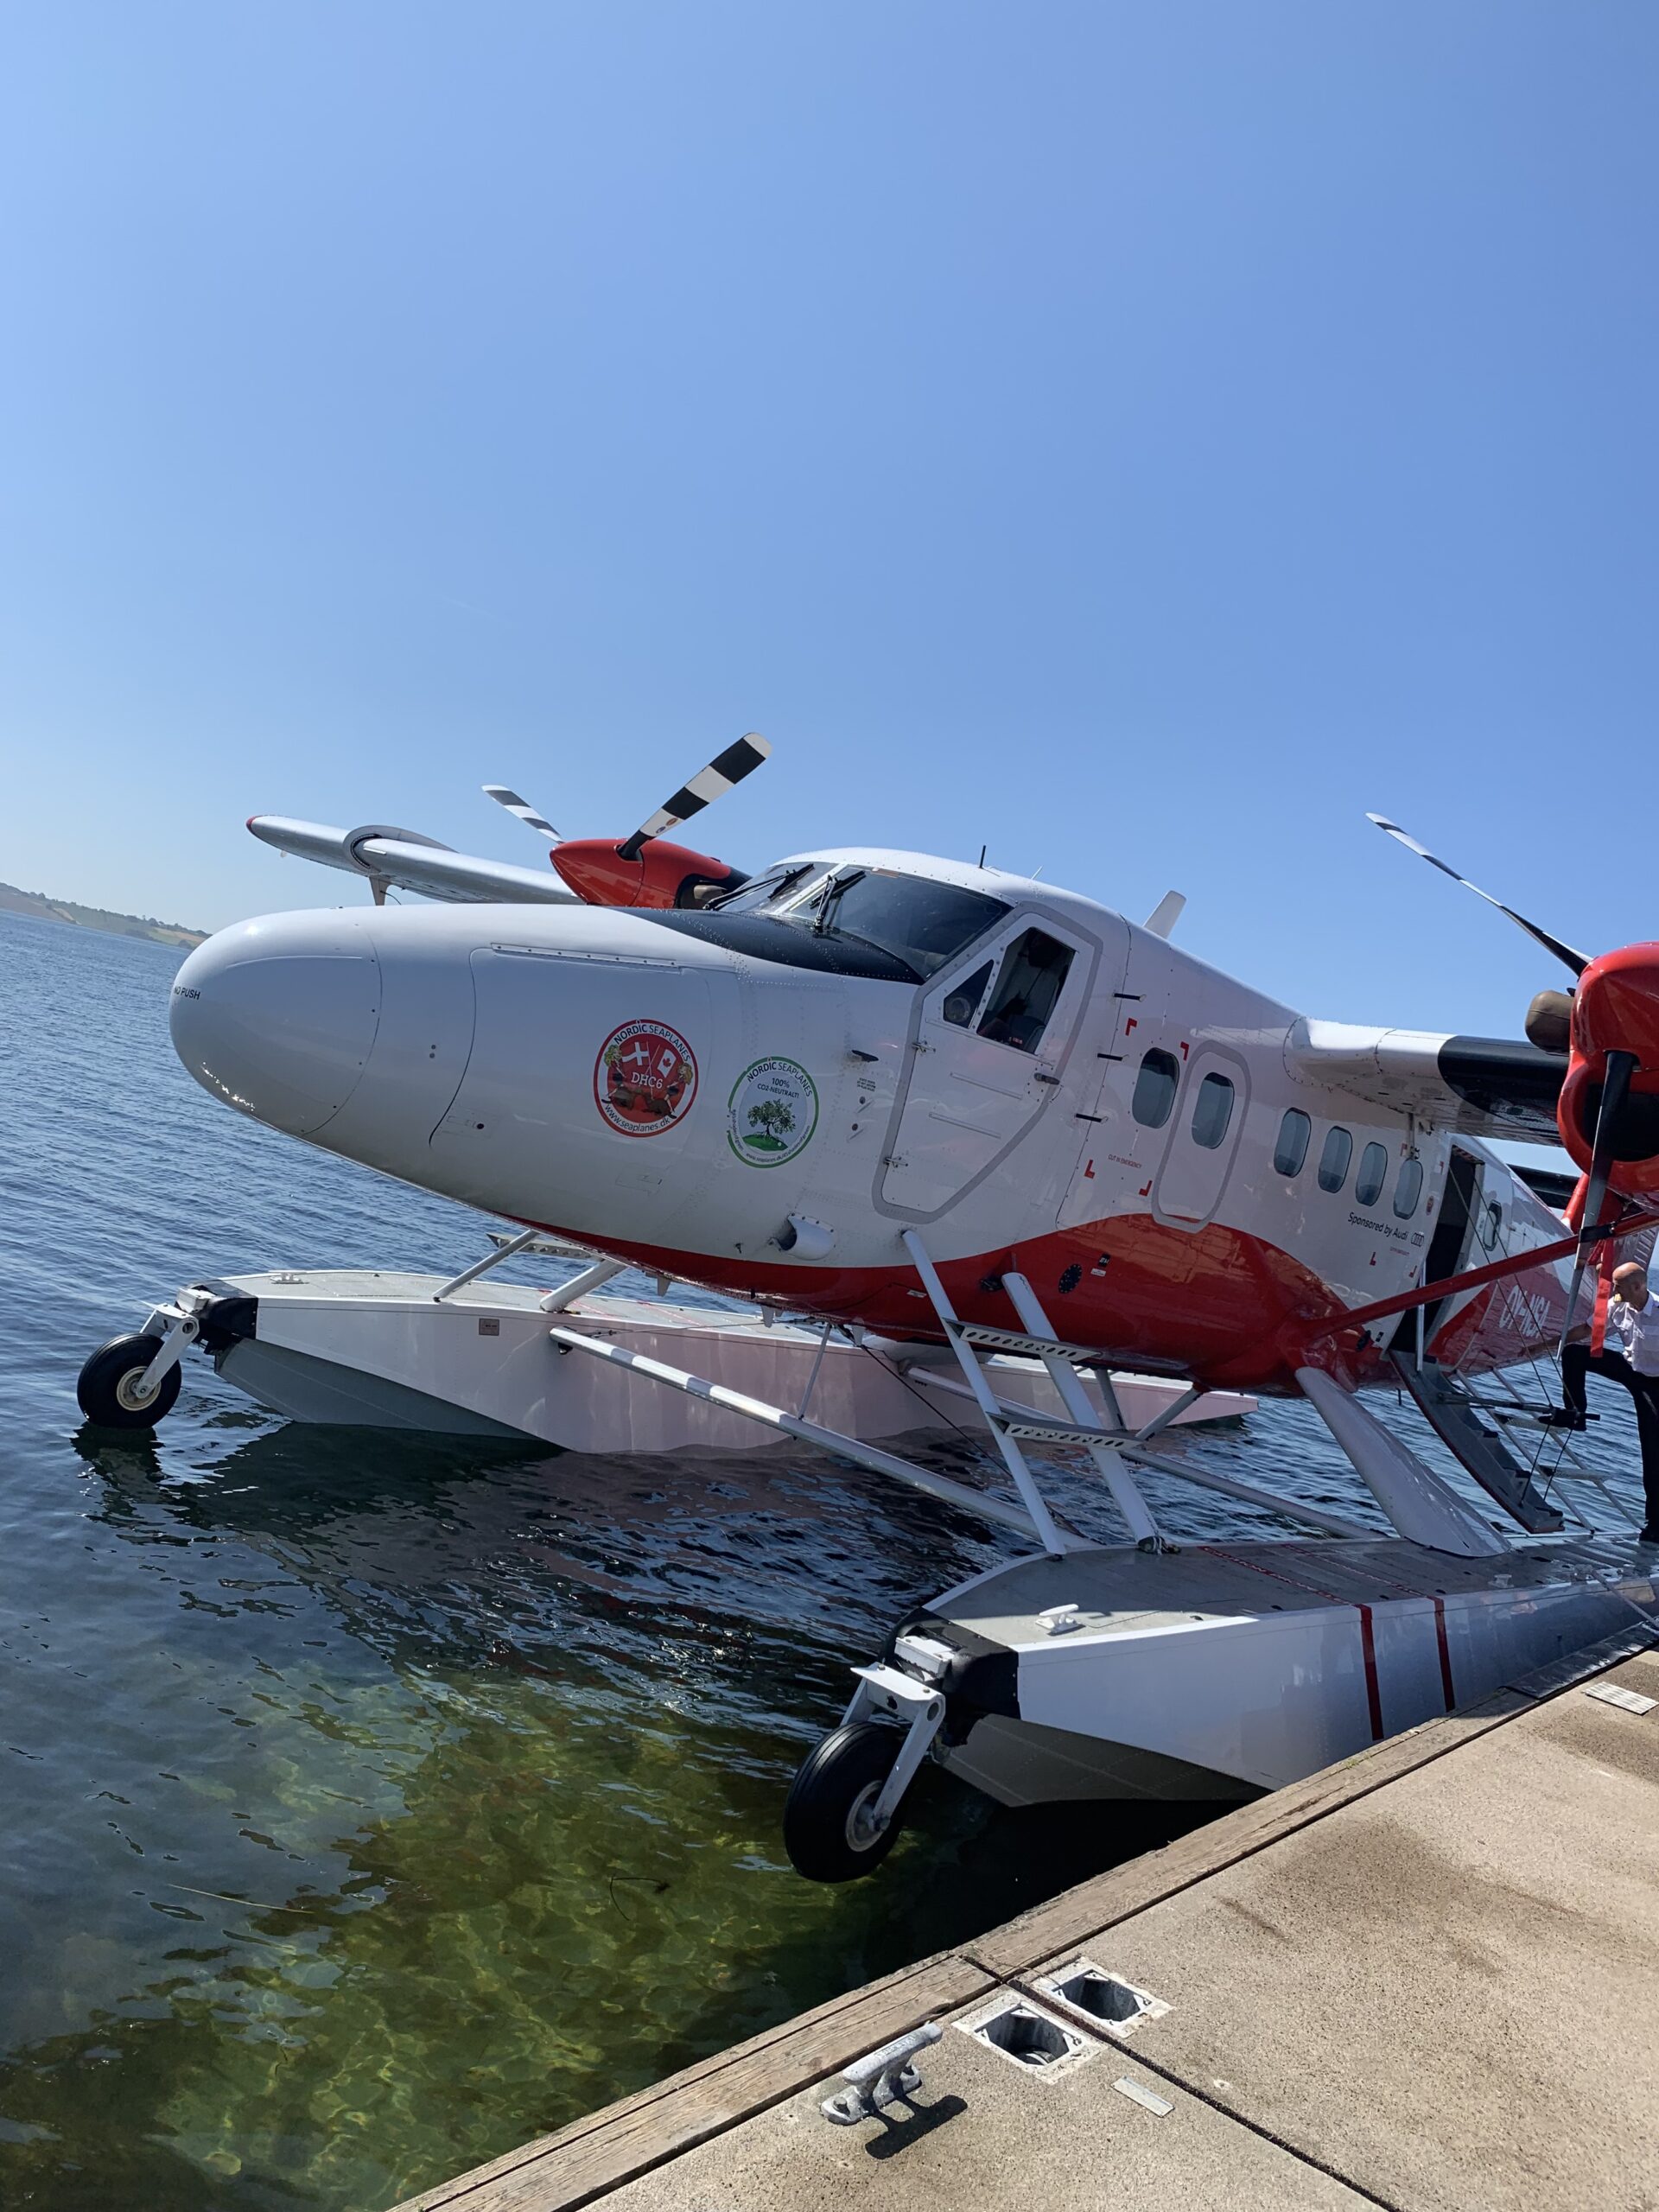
<point>1014,1426</point>
<point>1115,1450</point>
<point>1449,1411</point>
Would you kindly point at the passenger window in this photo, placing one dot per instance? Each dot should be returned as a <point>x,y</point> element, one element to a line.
<point>1492,1220</point>
<point>1213,1111</point>
<point>1291,1151</point>
<point>1333,1160</point>
<point>1373,1174</point>
<point>1409,1189</point>
<point>1155,1088</point>
<point>961,1001</point>
<point>1035,969</point>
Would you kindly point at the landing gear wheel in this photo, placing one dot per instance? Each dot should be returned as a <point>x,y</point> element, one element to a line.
<point>828,1832</point>
<point>108,1390</point>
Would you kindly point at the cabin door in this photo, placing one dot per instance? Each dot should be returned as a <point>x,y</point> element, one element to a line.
<point>989,1046</point>
<point>1472,1227</point>
<point>1449,1246</point>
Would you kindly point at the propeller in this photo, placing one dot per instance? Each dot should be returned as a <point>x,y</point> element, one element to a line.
<point>713,782</point>
<point>1615,1089</point>
<point>1578,962</point>
<point>1548,1026</point>
<point>521,807</point>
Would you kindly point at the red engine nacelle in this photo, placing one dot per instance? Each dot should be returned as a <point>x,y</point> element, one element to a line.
<point>1616,1008</point>
<point>661,875</point>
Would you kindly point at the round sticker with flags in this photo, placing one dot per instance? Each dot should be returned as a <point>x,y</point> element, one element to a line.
<point>645,1078</point>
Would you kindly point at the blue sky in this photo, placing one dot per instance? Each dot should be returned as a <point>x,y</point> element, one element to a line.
<point>1143,437</point>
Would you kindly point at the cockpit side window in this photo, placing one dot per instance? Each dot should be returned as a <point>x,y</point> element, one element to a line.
<point>1034,973</point>
<point>962,999</point>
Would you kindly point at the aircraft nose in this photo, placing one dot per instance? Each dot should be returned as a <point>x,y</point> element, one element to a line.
<point>277,1016</point>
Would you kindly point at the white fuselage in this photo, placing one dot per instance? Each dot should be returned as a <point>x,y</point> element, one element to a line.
<point>771,1120</point>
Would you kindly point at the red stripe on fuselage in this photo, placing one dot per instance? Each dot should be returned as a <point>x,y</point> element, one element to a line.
<point>1228,1310</point>
<point>1214,1304</point>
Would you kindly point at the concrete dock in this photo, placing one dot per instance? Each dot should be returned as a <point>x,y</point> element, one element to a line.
<point>1426,1978</point>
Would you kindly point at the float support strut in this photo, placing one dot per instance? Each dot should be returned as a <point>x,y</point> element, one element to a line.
<point>976,1502</point>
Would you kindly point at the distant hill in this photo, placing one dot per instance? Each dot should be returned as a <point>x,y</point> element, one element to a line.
<point>14,901</point>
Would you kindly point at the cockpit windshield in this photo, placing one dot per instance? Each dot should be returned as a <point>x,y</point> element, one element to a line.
<point>761,894</point>
<point>921,922</point>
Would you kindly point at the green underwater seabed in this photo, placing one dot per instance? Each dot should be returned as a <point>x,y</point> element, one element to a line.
<point>415,1800</point>
<point>551,1911</point>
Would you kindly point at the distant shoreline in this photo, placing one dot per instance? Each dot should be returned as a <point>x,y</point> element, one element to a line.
<point>35,903</point>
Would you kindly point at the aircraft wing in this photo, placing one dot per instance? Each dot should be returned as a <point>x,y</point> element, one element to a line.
<point>1480,1086</point>
<point>413,863</point>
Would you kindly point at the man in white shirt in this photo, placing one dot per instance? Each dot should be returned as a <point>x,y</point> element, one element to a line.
<point>1631,1358</point>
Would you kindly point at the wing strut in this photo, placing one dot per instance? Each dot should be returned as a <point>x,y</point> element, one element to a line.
<point>1564,1248</point>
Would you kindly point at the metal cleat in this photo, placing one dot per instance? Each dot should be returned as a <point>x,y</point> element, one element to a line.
<point>886,2077</point>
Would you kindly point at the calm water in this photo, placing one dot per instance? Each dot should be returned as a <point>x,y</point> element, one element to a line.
<point>372,1804</point>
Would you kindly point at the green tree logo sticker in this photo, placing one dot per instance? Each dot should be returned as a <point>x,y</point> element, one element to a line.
<point>772,1112</point>
<point>770,1124</point>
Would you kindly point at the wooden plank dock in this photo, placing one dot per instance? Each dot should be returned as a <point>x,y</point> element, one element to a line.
<point>1426,1978</point>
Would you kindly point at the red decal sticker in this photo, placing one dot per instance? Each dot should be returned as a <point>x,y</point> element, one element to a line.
<point>1133,1022</point>
<point>1088,1172</point>
<point>1141,1192</point>
<point>1183,1048</point>
<point>645,1078</point>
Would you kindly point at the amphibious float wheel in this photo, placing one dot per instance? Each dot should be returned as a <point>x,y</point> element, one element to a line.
<point>828,1831</point>
<point>108,1387</point>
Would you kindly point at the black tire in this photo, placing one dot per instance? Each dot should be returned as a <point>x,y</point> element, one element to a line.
<point>837,1782</point>
<point>104,1386</point>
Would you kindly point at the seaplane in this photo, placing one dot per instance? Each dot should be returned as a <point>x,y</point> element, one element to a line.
<point>970,1147</point>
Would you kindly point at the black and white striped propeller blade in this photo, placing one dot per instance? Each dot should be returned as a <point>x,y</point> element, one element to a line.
<point>526,812</point>
<point>1578,962</point>
<point>713,782</point>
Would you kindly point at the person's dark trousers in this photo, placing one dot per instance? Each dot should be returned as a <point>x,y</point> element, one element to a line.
<point>1577,1363</point>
